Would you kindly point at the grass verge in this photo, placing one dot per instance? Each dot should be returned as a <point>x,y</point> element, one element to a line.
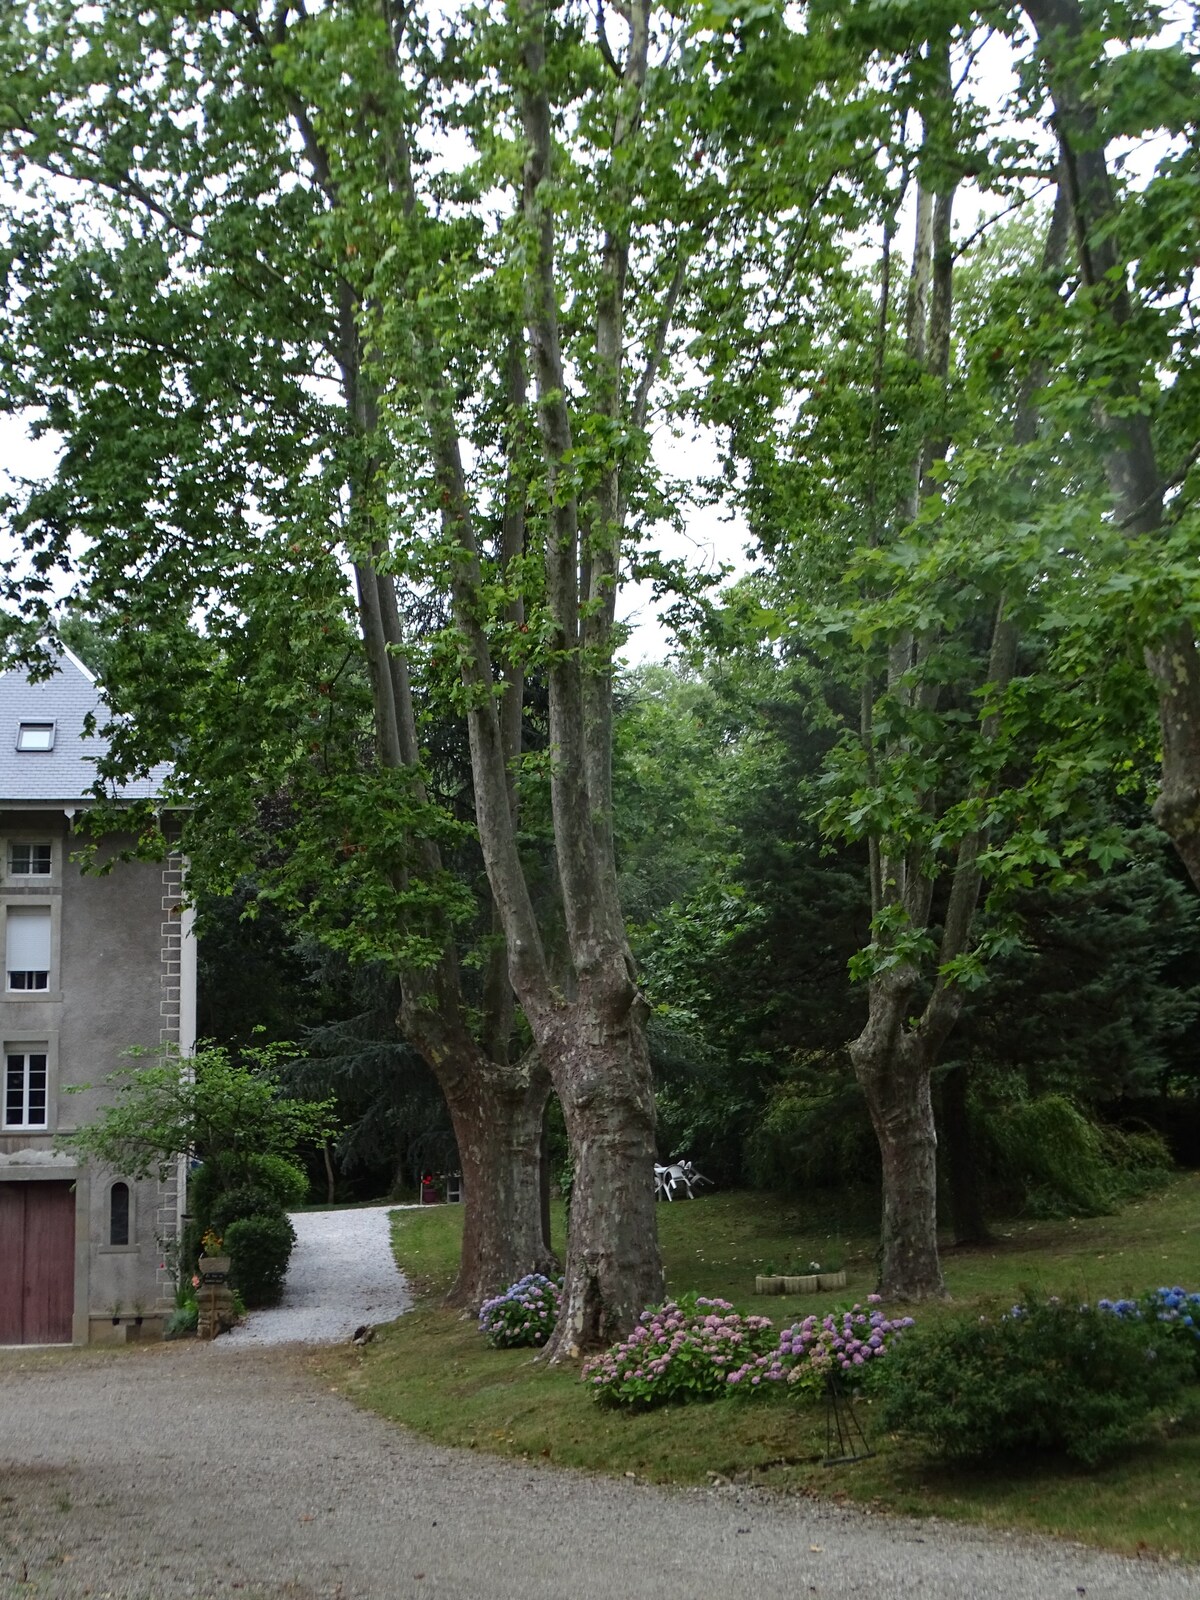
<point>431,1371</point>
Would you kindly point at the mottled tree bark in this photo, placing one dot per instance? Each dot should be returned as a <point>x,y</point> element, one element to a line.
<point>1175,667</point>
<point>496,1106</point>
<point>893,1064</point>
<point>497,1116</point>
<point>597,1053</point>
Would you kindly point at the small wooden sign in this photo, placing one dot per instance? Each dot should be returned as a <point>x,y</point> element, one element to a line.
<point>214,1270</point>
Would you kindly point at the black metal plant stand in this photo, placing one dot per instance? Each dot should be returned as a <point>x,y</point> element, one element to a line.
<point>845,1441</point>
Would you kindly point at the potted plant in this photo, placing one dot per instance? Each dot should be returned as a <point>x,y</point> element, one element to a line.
<point>804,1281</point>
<point>831,1274</point>
<point>802,1277</point>
<point>212,1257</point>
<point>769,1280</point>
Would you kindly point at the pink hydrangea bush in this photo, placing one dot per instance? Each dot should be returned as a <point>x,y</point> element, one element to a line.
<point>681,1350</point>
<point>698,1349</point>
<point>848,1343</point>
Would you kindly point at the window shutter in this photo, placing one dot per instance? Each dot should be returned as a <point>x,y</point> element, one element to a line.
<point>28,939</point>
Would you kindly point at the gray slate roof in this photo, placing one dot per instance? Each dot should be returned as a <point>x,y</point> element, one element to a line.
<point>67,772</point>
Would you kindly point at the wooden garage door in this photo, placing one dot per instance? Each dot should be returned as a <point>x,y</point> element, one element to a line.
<point>37,1262</point>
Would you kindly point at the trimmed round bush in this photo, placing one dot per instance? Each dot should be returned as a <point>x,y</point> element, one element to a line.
<point>260,1248</point>
<point>282,1180</point>
<point>279,1177</point>
<point>1044,1377</point>
<point>233,1205</point>
<point>233,1187</point>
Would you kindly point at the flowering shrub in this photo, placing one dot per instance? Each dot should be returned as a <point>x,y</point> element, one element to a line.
<point>524,1314</point>
<point>682,1350</point>
<point>841,1342</point>
<point>1175,1307</point>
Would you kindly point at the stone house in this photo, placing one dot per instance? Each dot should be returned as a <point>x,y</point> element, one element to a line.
<point>93,965</point>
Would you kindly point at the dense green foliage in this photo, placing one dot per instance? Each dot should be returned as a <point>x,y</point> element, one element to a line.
<point>1080,1043</point>
<point>1045,1376</point>
<point>232,1113</point>
<point>234,1205</point>
<point>325,326</point>
<point>260,1247</point>
<point>281,1181</point>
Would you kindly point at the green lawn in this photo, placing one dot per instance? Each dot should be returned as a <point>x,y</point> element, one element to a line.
<point>432,1371</point>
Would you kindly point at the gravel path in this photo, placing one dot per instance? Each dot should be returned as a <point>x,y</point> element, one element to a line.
<point>198,1472</point>
<point>176,1472</point>
<point>342,1274</point>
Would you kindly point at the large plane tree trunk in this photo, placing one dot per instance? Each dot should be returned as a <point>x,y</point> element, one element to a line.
<point>596,1050</point>
<point>893,1064</point>
<point>497,1117</point>
<point>586,1016</point>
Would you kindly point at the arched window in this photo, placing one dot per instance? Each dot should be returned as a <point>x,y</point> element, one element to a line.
<point>118,1214</point>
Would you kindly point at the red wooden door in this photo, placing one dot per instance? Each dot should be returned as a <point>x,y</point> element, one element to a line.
<point>12,1262</point>
<point>37,1262</point>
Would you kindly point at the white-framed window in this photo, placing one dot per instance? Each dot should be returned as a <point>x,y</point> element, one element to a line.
<point>27,938</point>
<point>26,1101</point>
<point>35,736</point>
<point>30,858</point>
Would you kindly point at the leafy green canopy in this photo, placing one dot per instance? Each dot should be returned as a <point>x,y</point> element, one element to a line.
<point>206,1104</point>
<point>901,511</point>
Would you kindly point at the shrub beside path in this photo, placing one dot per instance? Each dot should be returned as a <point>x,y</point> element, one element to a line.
<point>342,1274</point>
<point>192,1472</point>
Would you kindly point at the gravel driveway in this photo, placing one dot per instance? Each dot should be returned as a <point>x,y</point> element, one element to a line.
<point>342,1274</point>
<point>175,1471</point>
<point>191,1472</point>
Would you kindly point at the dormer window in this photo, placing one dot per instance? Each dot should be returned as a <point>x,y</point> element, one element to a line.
<point>35,736</point>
